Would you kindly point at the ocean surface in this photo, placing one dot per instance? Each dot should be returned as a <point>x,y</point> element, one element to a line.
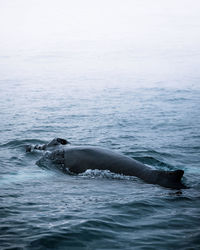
<point>121,76</point>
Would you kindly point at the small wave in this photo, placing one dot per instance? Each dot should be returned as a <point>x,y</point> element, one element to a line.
<point>22,176</point>
<point>19,143</point>
<point>138,206</point>
<point>105,174</point>
<point>84,235</point>
<point>149,160</point>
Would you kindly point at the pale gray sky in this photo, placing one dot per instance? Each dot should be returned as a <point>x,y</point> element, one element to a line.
<point>47,23</point>
<point>116,39</point>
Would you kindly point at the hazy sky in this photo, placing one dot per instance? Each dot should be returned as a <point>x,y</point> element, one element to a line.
<point>117,38</point>
<point>48,23</point>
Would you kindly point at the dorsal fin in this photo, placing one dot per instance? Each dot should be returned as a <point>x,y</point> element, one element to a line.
<point>171,179</point>
<point>177,174</point>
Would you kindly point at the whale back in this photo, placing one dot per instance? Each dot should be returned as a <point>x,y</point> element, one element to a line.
<point>79,159</point>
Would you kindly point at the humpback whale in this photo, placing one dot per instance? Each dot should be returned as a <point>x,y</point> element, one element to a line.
<point>77,159</point>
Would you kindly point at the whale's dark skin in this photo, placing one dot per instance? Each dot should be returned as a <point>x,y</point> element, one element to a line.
<point>77,159</point>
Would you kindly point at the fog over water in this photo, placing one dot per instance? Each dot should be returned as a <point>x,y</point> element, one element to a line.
<point>118,74</point>
<point>98,39</point>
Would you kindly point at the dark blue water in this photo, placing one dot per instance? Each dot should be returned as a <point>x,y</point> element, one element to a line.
<point>44,209</point>
<point>124,77</point>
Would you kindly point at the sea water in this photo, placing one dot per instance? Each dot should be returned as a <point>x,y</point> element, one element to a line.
<point>120,75</point>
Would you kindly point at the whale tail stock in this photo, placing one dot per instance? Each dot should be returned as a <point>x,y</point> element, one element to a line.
<point>171,179</point>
